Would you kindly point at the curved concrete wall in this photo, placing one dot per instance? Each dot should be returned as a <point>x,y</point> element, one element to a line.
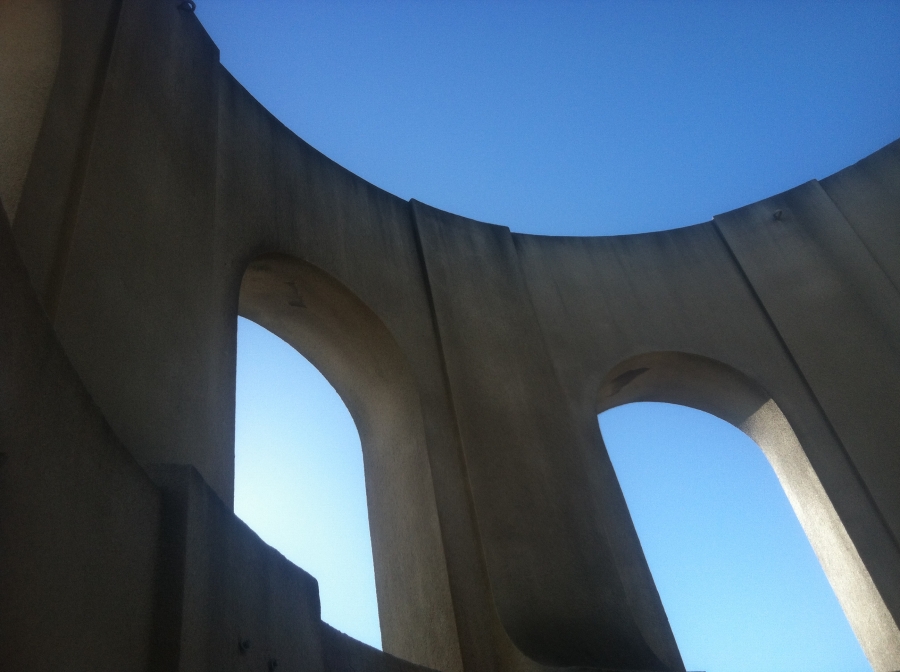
<point>29,55</point>
<point>156,182</point>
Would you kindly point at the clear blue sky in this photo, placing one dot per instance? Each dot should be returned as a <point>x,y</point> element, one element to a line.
<point>569,118</point>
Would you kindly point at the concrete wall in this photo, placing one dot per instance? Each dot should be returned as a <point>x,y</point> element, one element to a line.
<point>161,201</point>
<point>108,568</point>
<point>228,601</point>
<point>30,36</point>
<point>79,519</point>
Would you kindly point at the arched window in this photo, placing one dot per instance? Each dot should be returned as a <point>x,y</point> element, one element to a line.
<point>741,585</point>
<point>353,349</point>
<point>299,480</point>
<point>706,384</point>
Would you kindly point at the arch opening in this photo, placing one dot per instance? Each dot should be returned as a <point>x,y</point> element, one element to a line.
<point>357,354</point>
<point>707,385</point>
<point>741,586</point>
<point>298,477</point>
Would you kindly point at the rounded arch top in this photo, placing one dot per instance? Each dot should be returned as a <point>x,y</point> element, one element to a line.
<point>685,379</point>
<point>333,328</point>
<point>355,351</point>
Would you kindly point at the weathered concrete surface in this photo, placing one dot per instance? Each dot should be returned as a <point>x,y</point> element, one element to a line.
<point>868,196</point>
<point>102,569</point>
<point>46,214</point>
<point>221,586</point>
<point>161,201</point>
<point>532,482</point>
<point>79,520</point>
<point>345,653</point>
<point>30,35</point>
<point>837,313</point>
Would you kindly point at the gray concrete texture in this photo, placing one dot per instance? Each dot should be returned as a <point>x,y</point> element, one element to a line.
<point>152,200</point>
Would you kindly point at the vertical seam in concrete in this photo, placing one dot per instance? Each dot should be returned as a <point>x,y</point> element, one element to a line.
<point>534,313</point>
<point>540,328</point>
<point>602,522</point>
<point>218,254</point>
<point>53,291</point>
<point>806,385</point>
<point>860,238</point>
<point>470,502</point>
<point>171,563</point>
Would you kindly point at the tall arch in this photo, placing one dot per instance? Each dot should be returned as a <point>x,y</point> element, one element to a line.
<point>356,353</point>
<point>708,385</point>
<point>298,477</point>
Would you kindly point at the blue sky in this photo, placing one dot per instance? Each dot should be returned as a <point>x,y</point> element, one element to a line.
<point>569,118</point>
